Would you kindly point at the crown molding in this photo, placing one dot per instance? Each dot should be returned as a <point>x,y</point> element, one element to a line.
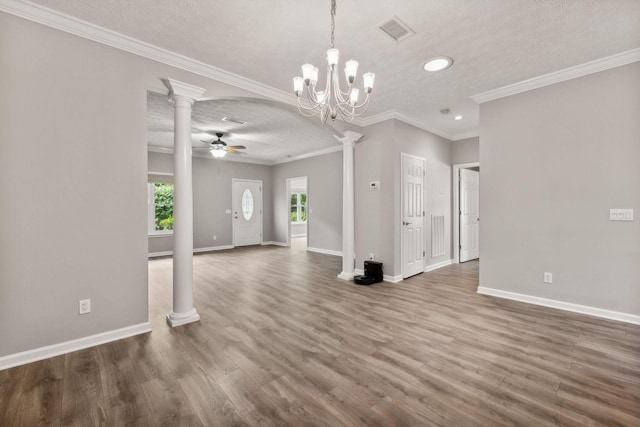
<point>581,70</point>
<point>60,21</point>
<point>393,114</point>
<point>465,135</point>
<point>78,27</point>
<point>240,159</point>
<point>308,155</point>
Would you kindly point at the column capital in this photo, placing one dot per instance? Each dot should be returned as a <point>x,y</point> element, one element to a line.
<point>349,138</point>
<point>185,90</point>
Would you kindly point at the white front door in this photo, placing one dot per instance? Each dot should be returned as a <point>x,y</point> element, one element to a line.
<point>412,216</point>
<point>247,212</point>
<point>469,214</point>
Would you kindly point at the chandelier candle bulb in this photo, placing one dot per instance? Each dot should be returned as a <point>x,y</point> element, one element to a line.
<point>368,82</point>
<point>350,70</point>
<point>332,57</point>
<point>298,85</point>
<point>353,97</point>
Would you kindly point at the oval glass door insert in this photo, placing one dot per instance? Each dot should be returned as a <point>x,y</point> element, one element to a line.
<point>247,204</point>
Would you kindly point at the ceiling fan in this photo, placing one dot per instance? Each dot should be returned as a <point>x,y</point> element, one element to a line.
<point>219,148</point>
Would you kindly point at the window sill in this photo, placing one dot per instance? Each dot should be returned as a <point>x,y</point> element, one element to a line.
<point>169,234</point>
<point>299,223</point>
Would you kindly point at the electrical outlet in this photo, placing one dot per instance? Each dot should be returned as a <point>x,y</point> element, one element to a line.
<point>548,278</point>
<point>371,256</point>
<point>215,237</point>
<point>85,306</point>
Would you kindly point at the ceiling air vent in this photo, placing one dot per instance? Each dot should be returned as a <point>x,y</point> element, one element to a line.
<point>396,29</point>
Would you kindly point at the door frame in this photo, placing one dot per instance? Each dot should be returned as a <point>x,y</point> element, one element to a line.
<point>456,207</point>
<point>233,207</point>
<point>287,204</point>
<point>424,208</point>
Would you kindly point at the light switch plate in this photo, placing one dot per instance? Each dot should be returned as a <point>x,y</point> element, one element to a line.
<point>620,214</point>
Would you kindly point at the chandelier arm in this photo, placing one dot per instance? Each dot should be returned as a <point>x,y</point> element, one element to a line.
<point>307,111</point>
<point>312,106</point>
<point>363,104</point>
<point>337,92</point>
<point>346,110</point>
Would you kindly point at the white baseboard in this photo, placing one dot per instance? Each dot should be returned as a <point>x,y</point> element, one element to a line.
<point>157,254</point>
<point>46,352</point>
<point>213,248</point>
<point>274,244</point>
<point>325,251</point>
<point>195,250</point>
<point>567,306</point>
<point>438,265</point>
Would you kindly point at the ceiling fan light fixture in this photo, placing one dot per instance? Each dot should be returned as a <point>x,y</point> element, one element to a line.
<point>218,153</point>
<point>437,63</point>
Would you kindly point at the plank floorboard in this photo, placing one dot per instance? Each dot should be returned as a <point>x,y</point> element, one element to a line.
<point>283,342</point>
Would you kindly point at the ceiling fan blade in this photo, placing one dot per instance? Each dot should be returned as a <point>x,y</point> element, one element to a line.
<point>237,147</point>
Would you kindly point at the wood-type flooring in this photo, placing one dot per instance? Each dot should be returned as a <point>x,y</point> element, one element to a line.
<point>283,342</point>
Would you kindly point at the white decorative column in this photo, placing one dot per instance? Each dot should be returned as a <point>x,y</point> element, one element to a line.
<point>348,205</point>
<point>183,96</point>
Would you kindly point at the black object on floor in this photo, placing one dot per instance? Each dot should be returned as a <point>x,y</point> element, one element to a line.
<point>364,280</point>
<point>373,269</point>
<point>372,273</point>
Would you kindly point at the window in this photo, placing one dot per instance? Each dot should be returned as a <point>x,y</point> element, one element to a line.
<point>298,207</point>
<point>247,204</point>
<point>160,196</point>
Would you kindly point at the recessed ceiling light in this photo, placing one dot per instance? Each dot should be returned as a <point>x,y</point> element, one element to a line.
<point>438,63</point>
<point>458,117</point>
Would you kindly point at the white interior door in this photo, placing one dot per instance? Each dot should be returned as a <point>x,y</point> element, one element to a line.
<point>412,216</point>
<point>469,214</point>
<point>247,212</point>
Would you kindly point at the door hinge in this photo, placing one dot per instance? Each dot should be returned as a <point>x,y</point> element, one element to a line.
<point>424,253</point>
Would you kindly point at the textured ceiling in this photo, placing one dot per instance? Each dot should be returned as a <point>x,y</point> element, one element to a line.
<point>272,131</point>
<point>494,43</point>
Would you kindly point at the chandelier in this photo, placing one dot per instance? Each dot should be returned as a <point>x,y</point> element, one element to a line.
<point>332,101</point>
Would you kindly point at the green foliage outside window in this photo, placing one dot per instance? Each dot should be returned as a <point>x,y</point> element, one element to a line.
<point>163,199</point>
<point>298,207</point>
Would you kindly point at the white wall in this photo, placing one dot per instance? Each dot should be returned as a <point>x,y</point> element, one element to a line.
<point>465,151</point>
<point>212,192</point>
<point>378,224</point>
<point>73,168</point>
<point>554,161</point>
<point>324,192</point>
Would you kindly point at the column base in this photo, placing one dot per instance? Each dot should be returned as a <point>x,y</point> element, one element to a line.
<point>179,319</point>
<point>346,276</point>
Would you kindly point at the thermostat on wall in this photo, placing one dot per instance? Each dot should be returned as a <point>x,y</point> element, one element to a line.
<point>374,185</point>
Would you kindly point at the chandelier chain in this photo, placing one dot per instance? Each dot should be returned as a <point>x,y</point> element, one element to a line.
<point>333,21</point>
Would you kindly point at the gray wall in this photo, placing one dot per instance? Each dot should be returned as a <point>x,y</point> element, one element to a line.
<point>212,186</point>
<point>324,192</point>
<point>554,161</point>
<point>73,171</point>
<point>378,225</point>
<point>465,151</point>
